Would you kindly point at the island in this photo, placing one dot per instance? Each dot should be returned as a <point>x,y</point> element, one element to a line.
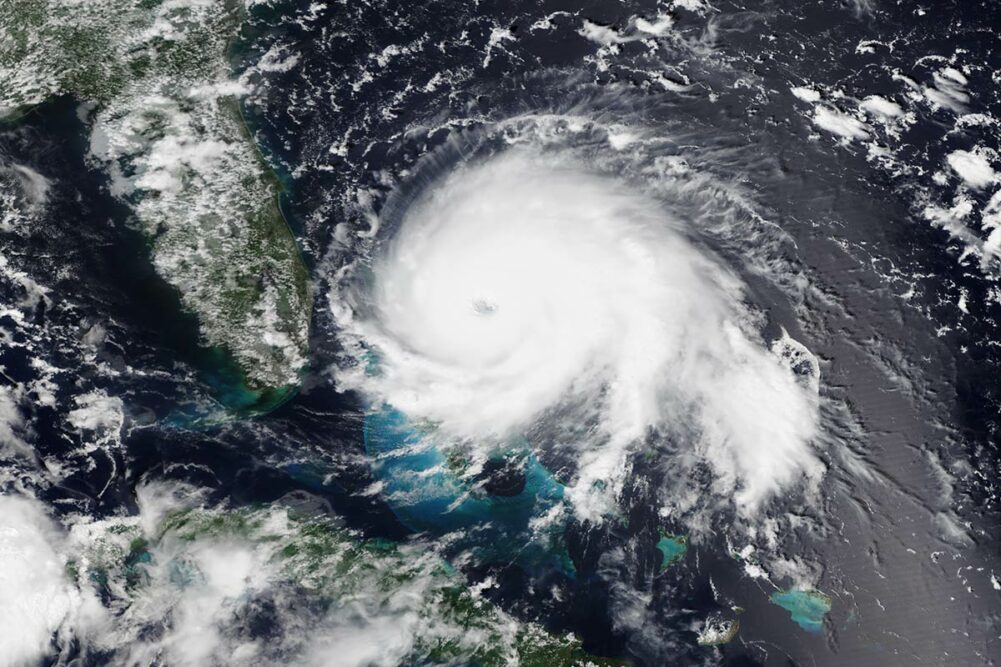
<point>807,607</point>
<point>672,548</point>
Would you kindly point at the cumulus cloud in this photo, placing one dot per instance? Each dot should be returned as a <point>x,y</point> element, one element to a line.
<point>806,94</point>
<point>636,29</point>
<point>840,124</point>
<point>974,168</point>
<point>881,107</point>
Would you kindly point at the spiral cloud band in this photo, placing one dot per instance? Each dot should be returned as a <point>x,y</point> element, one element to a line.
<point>523,291</point>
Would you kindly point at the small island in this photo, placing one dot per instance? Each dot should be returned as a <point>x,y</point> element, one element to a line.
<point>672,548</point>
<point>807,607</point>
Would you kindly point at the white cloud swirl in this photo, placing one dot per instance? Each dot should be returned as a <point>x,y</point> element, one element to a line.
<point>523,286</point>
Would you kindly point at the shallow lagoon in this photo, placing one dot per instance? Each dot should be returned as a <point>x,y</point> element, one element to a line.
<point>807,608</point>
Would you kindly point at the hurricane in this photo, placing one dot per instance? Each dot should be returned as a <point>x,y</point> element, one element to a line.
<point>526,292</point>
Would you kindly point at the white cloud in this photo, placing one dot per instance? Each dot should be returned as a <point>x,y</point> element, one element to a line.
<point>11,425</point>
<point>840,124</point>
<point>38,601</point>
<point>974,168</point>
<point>806,94</point>
<point>601,34</point>
<point>368,641</point>
<point>881,107</point>
<point>948,90</point>
<point>637,28</point>
<point>96,411</point>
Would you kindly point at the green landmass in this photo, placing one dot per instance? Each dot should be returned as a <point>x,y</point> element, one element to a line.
<point>154,82</point>
<point>331,567</point>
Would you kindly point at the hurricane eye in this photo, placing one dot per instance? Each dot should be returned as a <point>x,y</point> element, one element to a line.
<point>482,306</point>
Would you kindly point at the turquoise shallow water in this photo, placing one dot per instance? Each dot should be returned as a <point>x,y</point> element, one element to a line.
<point>807,608</point>
<point>672,548</point>
<point>428,493</point>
